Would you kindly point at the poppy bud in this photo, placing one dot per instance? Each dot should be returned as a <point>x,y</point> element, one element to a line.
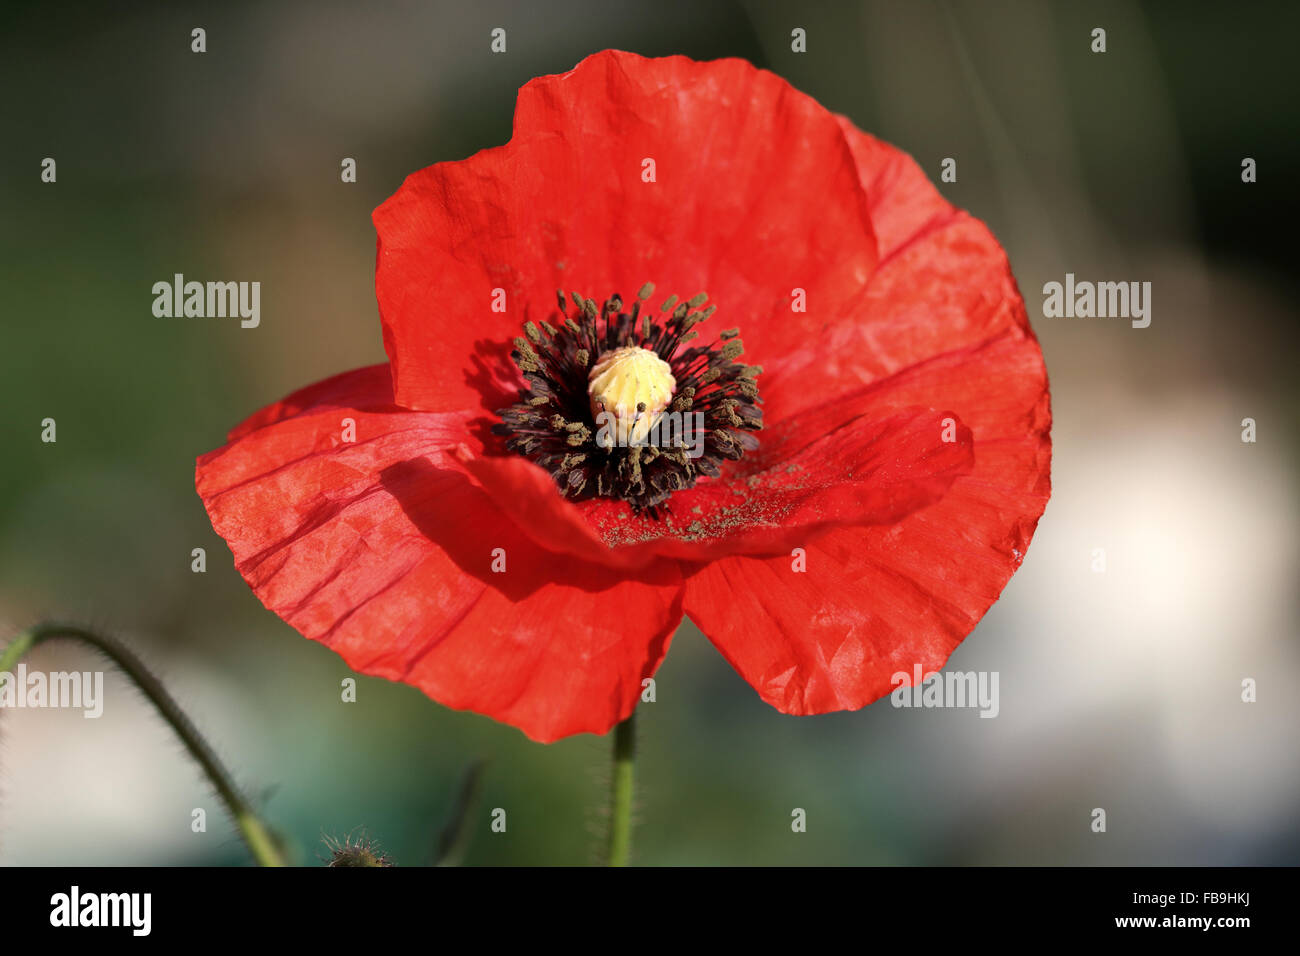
<point>361,852</point>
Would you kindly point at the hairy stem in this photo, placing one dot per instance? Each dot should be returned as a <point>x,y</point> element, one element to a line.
<point>255,833</point>
<point>620,796</point>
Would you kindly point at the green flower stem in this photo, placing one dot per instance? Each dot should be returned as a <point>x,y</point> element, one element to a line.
<point>620,797</point>
<point>255,833</point>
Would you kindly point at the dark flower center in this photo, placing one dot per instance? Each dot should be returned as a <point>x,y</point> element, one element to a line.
<point>619,405</point>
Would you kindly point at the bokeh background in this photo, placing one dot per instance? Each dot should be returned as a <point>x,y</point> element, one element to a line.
<point>1118,690</point>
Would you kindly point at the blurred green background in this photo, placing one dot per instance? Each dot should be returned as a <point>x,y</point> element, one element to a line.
<point>1119,690</point>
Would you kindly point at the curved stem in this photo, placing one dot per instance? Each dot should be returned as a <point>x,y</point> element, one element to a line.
<point>620,796</point>
<point>254,831</point>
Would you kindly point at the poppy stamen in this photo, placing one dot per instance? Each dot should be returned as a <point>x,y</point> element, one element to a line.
<point>620,404</point>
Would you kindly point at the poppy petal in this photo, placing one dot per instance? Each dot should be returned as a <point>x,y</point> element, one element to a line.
<point>710,176</point>
<point>381,550</point>
<point>943,284</point>
<point>369,388</point>
<point>874,601</point>
<point>824,467</point>
<point>945,325</point>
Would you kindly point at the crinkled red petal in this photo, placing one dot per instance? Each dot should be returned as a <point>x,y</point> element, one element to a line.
<point>946,327</point>
<point>755,199</point>
<point>382,549</point>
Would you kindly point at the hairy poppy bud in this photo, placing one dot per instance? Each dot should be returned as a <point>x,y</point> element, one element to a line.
<point>361,852</point>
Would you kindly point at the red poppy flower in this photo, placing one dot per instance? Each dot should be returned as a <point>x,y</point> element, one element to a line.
<point>457,519</point>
